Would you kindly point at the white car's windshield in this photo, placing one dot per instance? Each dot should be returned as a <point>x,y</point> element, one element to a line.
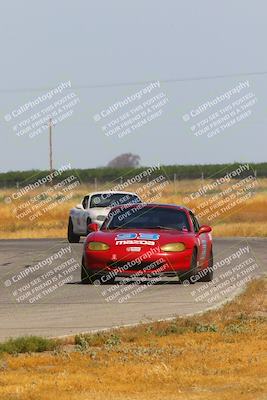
<point>112,199</point>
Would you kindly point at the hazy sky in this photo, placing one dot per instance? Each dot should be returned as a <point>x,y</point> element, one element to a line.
<point>108,50</point>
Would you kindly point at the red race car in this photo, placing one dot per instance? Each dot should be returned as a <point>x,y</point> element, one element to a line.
<point>148,240</point>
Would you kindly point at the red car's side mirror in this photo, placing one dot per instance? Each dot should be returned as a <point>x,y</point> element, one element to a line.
<point>204,229</point>
<point>93,227</point>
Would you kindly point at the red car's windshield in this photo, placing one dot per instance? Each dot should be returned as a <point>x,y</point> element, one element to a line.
<point>147,218</point>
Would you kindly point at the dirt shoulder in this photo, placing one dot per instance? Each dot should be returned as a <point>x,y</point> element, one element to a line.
<point>221,354</point>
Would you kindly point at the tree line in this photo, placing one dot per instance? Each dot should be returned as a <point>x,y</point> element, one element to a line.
<point>109,174</point>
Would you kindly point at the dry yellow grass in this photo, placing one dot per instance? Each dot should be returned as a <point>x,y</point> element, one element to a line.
<point>220,355</point>
<point>247,219</point>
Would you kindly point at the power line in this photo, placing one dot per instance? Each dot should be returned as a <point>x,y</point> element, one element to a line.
<point>133,83</point>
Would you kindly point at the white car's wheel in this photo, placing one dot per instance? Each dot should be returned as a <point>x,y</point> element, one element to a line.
<point>72,237</point>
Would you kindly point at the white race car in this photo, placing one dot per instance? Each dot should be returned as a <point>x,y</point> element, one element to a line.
<point>94,209</point>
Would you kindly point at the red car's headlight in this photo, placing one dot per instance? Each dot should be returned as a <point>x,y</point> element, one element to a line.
<point>97,246</point>
<point>173,247</point>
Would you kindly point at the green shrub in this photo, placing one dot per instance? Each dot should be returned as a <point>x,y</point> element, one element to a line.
<point>28,344</point>
<point>206,328</point>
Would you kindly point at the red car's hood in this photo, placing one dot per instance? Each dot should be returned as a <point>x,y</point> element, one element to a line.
<point>140,237</point>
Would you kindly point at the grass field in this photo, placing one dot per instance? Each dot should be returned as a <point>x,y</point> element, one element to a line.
<point>247,218</point>
<point>219,355</point>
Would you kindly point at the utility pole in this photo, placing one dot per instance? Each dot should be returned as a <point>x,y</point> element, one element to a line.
<point>50,145</point>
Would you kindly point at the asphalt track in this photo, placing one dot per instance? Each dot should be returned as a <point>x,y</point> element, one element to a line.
<point>49,299</point>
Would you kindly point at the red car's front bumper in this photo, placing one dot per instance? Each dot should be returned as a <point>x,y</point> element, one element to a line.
<point>160,263</point>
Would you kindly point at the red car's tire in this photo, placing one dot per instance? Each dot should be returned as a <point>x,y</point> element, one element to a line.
<point>208,272</point>
<point>185,277</point>
<point>85,277</point>
<point>89,279</point>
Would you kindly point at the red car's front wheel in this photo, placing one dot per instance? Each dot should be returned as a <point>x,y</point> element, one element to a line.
<point>88,278</point>
<point>185,276</point>
<point>208,271</point>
